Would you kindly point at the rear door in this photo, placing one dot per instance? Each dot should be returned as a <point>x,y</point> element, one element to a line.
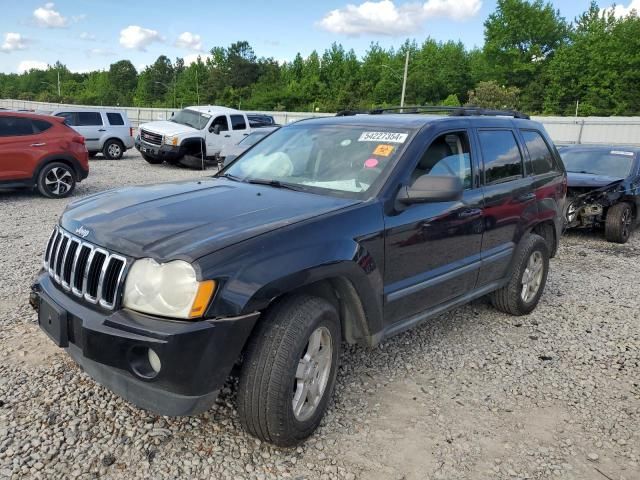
<point>20,148</point>
<point>239,128</point>
<point>91,126</point>
<point>510,203</point>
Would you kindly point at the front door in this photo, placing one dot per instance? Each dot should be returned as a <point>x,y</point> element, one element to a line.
<point>510,201</point>
<point>218,135</point>
<point>432,250</point>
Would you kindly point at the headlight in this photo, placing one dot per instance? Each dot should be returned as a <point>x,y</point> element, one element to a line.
<point>167,289</point>
<point>169,140</point>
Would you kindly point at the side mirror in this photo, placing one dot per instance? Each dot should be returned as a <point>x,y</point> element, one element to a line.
<point>215,129</point>
<point>432,188</point>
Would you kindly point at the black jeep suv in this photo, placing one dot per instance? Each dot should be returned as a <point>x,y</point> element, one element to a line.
<point>335,229</point>
<point>603,188</point>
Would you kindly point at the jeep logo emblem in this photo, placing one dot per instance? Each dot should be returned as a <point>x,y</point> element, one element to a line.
<point>82,232</point>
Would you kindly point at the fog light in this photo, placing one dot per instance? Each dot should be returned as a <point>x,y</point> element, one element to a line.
<point>154,360</point>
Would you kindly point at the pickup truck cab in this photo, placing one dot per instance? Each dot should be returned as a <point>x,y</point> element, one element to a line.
<point>351,228</point>
<point>198,132</point>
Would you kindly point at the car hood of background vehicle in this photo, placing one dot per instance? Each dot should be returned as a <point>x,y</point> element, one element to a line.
<point>589,180</point>
<point>187,220</point>
<point>166,127</point>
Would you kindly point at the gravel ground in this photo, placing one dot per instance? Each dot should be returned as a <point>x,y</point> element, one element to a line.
<point>473,394</point>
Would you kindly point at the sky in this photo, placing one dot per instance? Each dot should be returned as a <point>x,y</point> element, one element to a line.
<point>91,34</point>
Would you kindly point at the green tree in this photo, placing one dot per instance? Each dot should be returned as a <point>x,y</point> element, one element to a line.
<point>493,95</point>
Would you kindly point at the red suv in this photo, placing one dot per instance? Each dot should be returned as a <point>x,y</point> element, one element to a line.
<point>41,151</point>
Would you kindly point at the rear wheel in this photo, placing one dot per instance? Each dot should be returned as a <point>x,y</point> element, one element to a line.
<point>152,160</point>
<point>619,223</point>
<point>528,278</point>
<point>289,370</point>
<point>56,180</point>
<point>113,149</point>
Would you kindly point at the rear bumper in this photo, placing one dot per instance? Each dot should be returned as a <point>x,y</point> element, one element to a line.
<point>168,153</point>
<point>112,347</point>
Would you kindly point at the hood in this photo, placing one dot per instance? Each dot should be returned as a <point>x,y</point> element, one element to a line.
<point>166,127</point>
<point>590,180</point>
<point>187,220</point>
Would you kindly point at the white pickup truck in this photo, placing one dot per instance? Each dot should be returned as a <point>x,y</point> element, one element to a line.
<point>192,134</point>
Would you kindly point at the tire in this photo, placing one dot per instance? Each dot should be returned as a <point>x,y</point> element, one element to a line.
<point>93,154</point>
<point>56,180</point>
<point>619,222</point>
<point>113,149</point>
<point>152,160</point>
<point>271,380</point>
<point>533,253</point>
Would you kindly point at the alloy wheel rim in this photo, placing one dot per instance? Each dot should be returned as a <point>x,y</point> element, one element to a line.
<point>626,222</point>
<point>114,150</point>
<point>312,374</point>
<point>532,277</point>
<point>58,181</point>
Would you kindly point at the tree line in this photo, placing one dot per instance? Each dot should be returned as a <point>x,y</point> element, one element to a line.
<point>532,59</point>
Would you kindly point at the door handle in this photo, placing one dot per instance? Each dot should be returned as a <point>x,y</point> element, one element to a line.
<point>469,212</point>
<point>227,136</point>
<point>526,197</point>
<point>245,134</point>
<point>102,129</point>
<point>38,144</point>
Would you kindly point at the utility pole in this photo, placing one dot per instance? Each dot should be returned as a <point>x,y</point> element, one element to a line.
<point>197,91</point>
<point>404,79</point>
<point>58,85</point>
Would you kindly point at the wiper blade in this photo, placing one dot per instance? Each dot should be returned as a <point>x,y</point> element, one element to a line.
<point>274,183</point>
<point>230,177</point>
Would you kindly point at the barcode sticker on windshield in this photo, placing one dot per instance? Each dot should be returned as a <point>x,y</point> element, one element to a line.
<point>389,137</point>
<point>620,152</point>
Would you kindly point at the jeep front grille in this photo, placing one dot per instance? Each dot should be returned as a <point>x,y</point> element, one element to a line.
<point>150,137</point>
<point>87,271</point>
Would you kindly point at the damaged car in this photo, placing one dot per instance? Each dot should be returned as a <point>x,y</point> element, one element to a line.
<point>603,189</point>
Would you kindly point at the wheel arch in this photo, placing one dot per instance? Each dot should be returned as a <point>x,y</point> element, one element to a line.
<point>547,230</point>
<point>62,158</point>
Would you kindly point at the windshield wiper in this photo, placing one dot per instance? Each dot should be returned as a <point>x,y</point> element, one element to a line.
<point>274,183</point>
<point>230,177</point>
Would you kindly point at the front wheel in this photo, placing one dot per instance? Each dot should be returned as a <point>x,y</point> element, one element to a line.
<point>528,278</point>
<point>289,370</point>
<point>618,224</point>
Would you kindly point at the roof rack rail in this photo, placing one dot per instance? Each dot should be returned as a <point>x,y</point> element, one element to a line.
<point>350,113</point>
<point>453,111</point>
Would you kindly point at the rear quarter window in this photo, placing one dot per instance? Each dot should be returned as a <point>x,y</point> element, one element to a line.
<point>40,126</point>
<point>115,119</point>
<point>542,160</point>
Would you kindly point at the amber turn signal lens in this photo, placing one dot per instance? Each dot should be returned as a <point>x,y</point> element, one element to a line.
<point>203,297</point>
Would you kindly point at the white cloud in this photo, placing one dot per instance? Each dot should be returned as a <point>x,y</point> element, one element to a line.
<point>189,40</point>
<point>193,57</point>
<point>90,37</point>
<point>48,17</point>
<point>138,38</point>
<point>26,65</point>
<point>384,17</point>
<point>622,11</point>
<point>13,41</point>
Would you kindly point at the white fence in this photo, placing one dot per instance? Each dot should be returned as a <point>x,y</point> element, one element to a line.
<point>563,130</point>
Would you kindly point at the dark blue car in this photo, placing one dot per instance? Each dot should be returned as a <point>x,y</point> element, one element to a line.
<point>604,188</point>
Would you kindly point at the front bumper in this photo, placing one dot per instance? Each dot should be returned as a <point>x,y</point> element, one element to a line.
<point>196,357</point>
<point>168,153</point>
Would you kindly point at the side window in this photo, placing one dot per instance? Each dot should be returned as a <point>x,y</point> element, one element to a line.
<point>447,155</point>
<point>501,155</point>
<point>115,119</point>
<point>541,156</point>
<point>238,122</point>
<point>89,119</point>
<point>40,126</point>
<point>222,121</point>
<point>69,118</point>
<point>15,127</point>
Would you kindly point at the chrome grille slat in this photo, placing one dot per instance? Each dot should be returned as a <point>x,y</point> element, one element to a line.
<point>106,278</point>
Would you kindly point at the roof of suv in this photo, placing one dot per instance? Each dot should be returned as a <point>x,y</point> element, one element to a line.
<point>415,120</point>
<point>31,115</point>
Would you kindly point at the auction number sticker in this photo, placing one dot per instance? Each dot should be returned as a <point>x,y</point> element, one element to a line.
<point>388,137</point>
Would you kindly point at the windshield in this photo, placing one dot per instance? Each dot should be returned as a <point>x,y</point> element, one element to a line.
<point>252,138</point>
<point>341,159</point>
<point>612,163</point>
<point>191,118</point>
